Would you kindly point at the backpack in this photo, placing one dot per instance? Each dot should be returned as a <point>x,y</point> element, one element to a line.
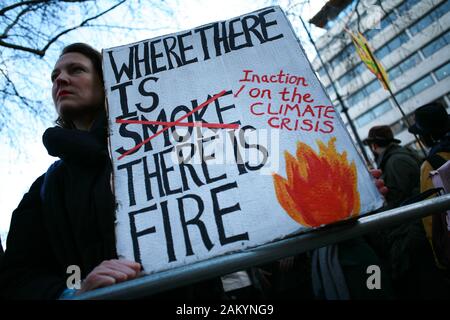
<point>441,220</point>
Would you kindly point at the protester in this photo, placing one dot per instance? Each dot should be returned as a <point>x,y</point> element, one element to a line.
<point>402,248</point>
<point>432,124</point>
<point>399,165</point>
<point>67,216</point>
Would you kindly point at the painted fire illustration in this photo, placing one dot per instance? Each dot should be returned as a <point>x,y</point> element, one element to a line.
<point>320,188</point>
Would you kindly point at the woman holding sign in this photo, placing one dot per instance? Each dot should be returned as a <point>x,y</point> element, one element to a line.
<point>63,229</point>
<point>66,218</point>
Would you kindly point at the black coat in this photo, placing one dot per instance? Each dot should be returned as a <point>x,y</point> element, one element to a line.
<point>403,248</point>
<point>401,174</point>
<point>70,221</point>
<point>67,218</point>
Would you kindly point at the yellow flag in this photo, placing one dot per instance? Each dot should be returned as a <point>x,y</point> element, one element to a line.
<point>363,50</point>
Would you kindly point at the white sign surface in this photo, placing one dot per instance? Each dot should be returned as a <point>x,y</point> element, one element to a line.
<point>222,139</point>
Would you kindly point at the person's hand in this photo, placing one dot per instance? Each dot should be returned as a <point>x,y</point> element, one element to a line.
<point>379,183</point>
<point>110,272</point>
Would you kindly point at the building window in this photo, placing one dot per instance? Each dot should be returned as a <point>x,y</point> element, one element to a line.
<point>430,18</point>
<point>414,88</point>
<point>360,68</point>
<point>436,45</point>
<point>404,66</point>
<point>443,71</point>
<point>355,98</point>
<point>330,92</point>
<point>369,34</point>
<point>422,84</point>
<point>364,119</point>
<point>364,92</point>
<point>404,95</point>
<point>382,108</point>
<point>406,6</point>
<point>372,114</point>
<point>351,74</point>
<point>372,87</point>
<point>349,8</point>
<point>346,78</point>
<point>322,72</point>
<point>354,24</point>
<point>343,55</point>
<point>391,17</point>
<point>386,21</point>
<point>392,45</point>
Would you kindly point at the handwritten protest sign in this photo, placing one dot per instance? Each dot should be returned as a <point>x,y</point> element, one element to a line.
<point>223,139</point>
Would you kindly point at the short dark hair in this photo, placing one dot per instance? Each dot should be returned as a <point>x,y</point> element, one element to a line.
<point>96,59</point>
<point>431,119</point>
<point>91,53</point>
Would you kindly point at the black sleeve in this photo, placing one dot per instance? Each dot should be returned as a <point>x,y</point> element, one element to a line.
<point>28,269</point>
<point>402,178</point>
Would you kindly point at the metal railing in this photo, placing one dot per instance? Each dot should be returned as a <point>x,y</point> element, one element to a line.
<point>312,239</point>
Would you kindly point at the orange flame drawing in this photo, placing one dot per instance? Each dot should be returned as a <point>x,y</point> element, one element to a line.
<point>320,188</point>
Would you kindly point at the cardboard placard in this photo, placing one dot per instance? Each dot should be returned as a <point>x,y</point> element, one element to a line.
<point>222,139</point>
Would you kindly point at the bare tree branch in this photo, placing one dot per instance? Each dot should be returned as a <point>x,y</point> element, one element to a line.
<point>41,52</point>
<point>21,48</point>
<point>31,31</point>
<point>28,29</point>
<point>84,23</point>
<point>19,4</point>
<point>105,26</point>
<point>32,2</point>
<point>10,26</point>
<point>15,91</point>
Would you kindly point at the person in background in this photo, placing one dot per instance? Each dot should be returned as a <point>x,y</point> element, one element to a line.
<point>402,248</point>
<point>400,167</point>
<point>432,125</point>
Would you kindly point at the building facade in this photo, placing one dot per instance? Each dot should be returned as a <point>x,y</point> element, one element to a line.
<point>410,38</point>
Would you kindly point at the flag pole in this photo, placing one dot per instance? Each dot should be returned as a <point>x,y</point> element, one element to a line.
<point>338,96</point>
<point>387,86</point>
